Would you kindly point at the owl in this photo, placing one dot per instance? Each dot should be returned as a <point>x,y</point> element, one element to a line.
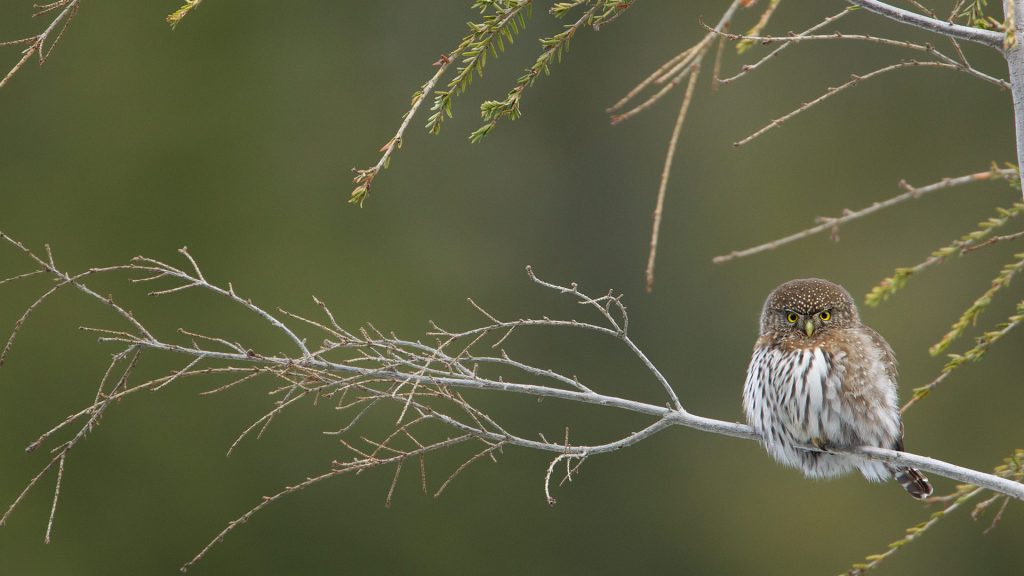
<point>819,377</point>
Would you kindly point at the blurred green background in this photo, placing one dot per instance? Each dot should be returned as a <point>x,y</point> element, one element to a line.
<point>235,135</point>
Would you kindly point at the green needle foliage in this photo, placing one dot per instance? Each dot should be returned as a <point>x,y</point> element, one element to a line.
<point>1011,468</point>
<point>502,21</point>
<point>898,280</point>
<point>552,49</point>
<point>970,316</point>
<point>505,21</point>
<point>974,240</point>
<point>987,339</point>
<point>174,18</point>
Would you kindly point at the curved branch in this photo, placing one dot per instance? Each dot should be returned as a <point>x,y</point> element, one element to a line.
<point>424,380</point>
<point>667,415</point>
<point>948,29</point>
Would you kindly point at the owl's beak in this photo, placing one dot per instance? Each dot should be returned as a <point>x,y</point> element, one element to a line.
<point>809,327</point>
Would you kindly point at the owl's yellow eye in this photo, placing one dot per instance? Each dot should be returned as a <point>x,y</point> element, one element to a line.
<point>826,315</point>
<point>792,318</point>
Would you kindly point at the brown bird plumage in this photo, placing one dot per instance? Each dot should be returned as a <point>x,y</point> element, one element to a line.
<point>820,377</point>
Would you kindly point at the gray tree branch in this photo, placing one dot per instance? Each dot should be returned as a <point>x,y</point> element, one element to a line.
<point>979,35</point>
<point>423,378</point>
<point>1014,53</point>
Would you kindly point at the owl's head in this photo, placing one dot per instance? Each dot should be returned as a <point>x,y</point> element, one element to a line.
<point>807,308</point>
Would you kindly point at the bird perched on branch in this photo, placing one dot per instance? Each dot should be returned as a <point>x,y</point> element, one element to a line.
<point>819,377</point>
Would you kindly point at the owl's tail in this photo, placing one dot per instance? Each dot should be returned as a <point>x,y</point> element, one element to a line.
<point>913,482</point>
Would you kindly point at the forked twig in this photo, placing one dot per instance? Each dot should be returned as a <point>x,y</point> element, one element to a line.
<point>36,45</point>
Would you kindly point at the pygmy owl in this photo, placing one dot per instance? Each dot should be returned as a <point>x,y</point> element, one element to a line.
<point>820,377</point>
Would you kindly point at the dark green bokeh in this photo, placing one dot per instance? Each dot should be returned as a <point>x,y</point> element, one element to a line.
<point>235,134</point>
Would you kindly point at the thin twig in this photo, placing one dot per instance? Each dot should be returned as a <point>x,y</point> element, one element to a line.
<point>551,468</point>
<point>364,177</point>
<point>37,44</point>
<point>684,56</point>
<point>485,452</point>
<point>992,241</point>
<point>832,91</point>
<point>666,170</point>
<point>716,68</point>
<point>922,391</point>
<point>20,276</point>
<point>56,495</point>
<point>747,68</point>
<point>829,224</point>
<point>672,72</point>
<point>351,467</point>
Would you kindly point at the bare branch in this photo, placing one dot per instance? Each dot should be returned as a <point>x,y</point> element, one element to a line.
<point>672,72</point>
<point>833,223</point>
<point>751,67</point>
<point>832,91</point>
<point>485,452</point>
<point>666,171</point>
<point>422,380</point>
<point>150,265</point>
<point>36,45</point>
<point>56,495</point>
<point>338,470</point>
